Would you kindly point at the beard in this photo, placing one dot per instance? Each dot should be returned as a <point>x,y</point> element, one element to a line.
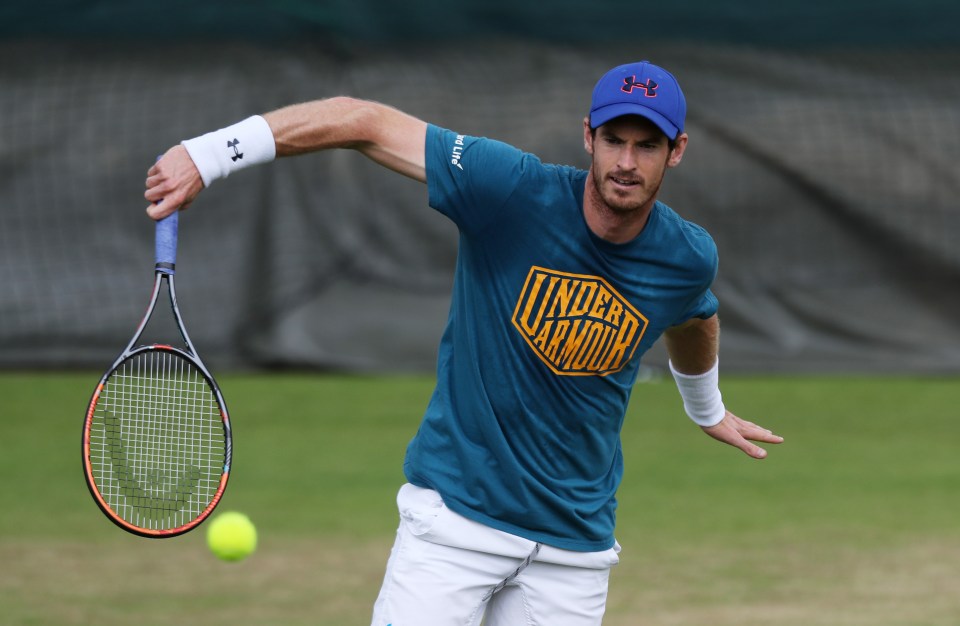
<point>621,200</point>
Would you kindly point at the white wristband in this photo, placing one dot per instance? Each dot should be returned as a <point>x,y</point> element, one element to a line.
<point>701,395</point>
<point>229,149</point>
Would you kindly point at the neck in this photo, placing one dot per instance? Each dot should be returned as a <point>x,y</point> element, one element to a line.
<point>610,224</point>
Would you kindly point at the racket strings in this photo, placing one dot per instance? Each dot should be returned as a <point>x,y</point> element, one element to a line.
<point>157,442</point>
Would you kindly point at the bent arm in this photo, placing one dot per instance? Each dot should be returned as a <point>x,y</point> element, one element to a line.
<point>693,348</point>
<point>386,135</point>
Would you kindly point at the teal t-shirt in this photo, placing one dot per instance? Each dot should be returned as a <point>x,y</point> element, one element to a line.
<point>546,328</point>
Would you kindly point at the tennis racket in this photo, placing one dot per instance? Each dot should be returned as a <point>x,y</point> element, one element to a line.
<point>156,437</point>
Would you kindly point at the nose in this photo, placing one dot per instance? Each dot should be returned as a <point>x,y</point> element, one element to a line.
<point>626,160</point>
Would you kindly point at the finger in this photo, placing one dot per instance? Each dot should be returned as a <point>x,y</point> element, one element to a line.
<point>161,209</point>
<point>154,168</point>
<point>157,212</point>
<point>750,449</point>
<point>768,437</point>
<point>756,432</point>
<point>158,186</point>
<point>153,178</point>
<point>163,191</point>
<point>761,434</point>
<point>153,194</point>
<point>729,435</point>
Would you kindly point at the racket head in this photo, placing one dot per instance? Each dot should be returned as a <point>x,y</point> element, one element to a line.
<point>157,445</point>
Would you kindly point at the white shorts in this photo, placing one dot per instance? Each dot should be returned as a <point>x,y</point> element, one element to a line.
<point>447,570</point>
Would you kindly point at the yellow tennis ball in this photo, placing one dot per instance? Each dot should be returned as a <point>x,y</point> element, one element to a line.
<point>231,536</point>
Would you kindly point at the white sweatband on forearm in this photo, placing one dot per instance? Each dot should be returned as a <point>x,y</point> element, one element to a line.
<point>701,395</point>
<point>229,149</point>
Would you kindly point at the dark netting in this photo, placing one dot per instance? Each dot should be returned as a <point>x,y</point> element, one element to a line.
<point>828,176</point>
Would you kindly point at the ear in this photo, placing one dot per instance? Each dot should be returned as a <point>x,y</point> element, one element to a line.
<point>676,155</point>
<point>587,136</point>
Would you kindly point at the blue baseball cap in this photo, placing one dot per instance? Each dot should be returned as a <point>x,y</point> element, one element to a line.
<point>640,89</point>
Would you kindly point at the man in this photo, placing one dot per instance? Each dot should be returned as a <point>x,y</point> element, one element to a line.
<point>564,279</point>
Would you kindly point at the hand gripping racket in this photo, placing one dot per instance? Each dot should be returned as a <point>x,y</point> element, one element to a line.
<point>156,438</point>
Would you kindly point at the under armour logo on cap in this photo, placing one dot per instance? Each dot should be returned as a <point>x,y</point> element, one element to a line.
<point>650,86</point>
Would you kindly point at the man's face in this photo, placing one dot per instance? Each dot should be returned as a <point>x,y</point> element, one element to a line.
<point>630,156</point>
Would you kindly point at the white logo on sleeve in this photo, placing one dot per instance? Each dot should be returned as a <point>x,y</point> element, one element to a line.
<point>457,152</point>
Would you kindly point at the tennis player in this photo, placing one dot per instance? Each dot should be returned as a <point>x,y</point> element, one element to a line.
<point>564,279</point>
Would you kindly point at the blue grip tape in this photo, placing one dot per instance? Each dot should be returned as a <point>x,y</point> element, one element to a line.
<point>165,246</point>
<point>166,242</point>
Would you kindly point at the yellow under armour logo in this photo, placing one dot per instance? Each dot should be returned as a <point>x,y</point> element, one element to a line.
<point>577,324</point>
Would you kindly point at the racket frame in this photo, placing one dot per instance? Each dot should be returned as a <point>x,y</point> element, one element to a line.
<point>164,272</point>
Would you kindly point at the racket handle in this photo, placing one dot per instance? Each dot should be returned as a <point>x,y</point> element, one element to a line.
<point>165,246</point>
<point>166,243</point>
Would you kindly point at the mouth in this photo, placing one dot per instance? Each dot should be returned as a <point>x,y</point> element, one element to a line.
<point>625,182</point>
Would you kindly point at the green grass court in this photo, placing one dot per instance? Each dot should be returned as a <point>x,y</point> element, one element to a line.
<point>853,521</point>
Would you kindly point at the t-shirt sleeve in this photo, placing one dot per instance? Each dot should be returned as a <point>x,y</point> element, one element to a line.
<point>704,304</point>
<point>469,179</point>
<point>704,307</point>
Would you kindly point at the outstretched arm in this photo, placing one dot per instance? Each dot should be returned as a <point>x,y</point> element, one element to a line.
<point>693,348</point>
<point>389,137</point>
